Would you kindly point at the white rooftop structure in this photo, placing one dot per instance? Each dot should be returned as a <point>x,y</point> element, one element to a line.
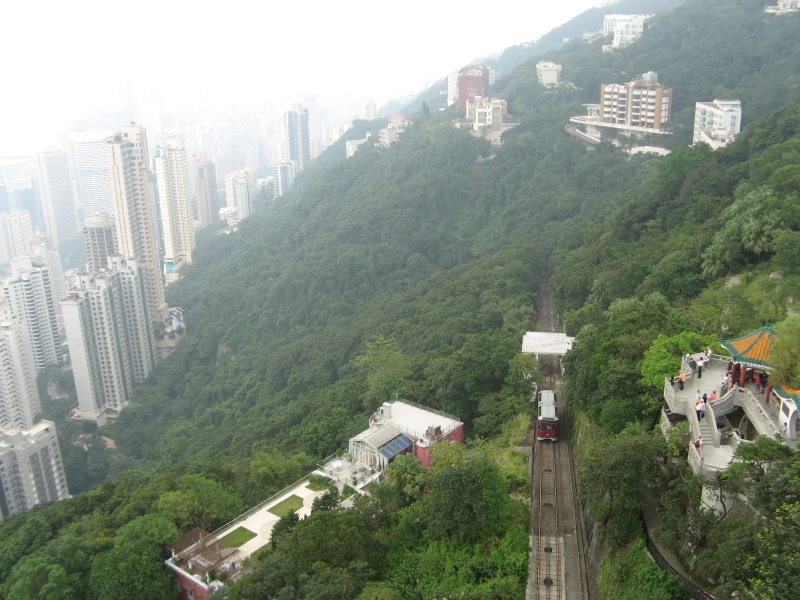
<point>783,7</point>
<point>545,342</point>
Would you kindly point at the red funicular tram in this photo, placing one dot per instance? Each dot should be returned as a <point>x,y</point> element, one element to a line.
<point>547,418</point>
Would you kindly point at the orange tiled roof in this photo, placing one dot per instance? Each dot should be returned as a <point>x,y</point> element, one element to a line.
<point>754,348</point>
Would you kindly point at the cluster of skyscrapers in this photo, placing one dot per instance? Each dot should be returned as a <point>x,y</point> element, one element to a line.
<point>137,204</point>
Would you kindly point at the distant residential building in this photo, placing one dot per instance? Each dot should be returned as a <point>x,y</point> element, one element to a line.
<point>31,468</point>
<point>452,88</point>
<point>175,203</point>
<point>548,73</point>
<point>229,215</point>
<point>403,427</point>
<point>134,211</point>
<point>389,135</point>
<point>486,113</point>
<point>350,147</point>
<point>638,107</point>
<point>297,138</point>
<point>640,103</point>
<point>371,111</point>
<point>717,123</point>
<point>110,336</point>
<point>94,184</point>
<point>44,253</point>
<point>99,241</point>
<point>16,234</point>
<point>241,188</point>
<point>19,396</point>
<point>205,185</point>
<point>626,29</point>
<point>473,81</point>
<point>34,301</point>
<point>282,177</point>
<point>58,201</point>
<point>783,7</point>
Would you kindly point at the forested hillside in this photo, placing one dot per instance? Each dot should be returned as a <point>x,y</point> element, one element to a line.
<point>422,263</point>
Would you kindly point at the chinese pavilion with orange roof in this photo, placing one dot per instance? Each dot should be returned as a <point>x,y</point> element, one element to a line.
<point>753,350</point>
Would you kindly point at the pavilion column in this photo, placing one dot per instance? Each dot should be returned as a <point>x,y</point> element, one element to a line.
<point>769,391</point>
<point>743,376</point>
<point>734,371</point>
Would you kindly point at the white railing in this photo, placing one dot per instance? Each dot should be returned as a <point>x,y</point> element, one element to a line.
<point>258,507</point>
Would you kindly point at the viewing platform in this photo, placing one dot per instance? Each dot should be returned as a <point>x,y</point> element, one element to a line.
<point>738,416</point>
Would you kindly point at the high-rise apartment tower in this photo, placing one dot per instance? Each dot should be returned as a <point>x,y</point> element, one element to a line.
<point>297,140</point>
<point>31,469</point>
<point>175,202</point>
<point>19,396</point>
<point>134,212</point>
<point>205,185</point>
<point>58,201</point>
<point>34,302</point>
<point>99,241</point>
<point>94,184</point>
<point>110,337</point>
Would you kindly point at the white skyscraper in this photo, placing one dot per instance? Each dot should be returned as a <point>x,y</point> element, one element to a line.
<point>99,241</point>
<point>19,396</point>
<point>58,202</point>
<point>175,203</point>
<point>298,146</point>
<point>205,185</point>
<point>31,469</point>
<point>282,177</point>
<point>110,336</point>
<point>93,180</point>
<point>34,302</point>
<point>134,211</point>
<point>241,188</point>
<point>15,235</point>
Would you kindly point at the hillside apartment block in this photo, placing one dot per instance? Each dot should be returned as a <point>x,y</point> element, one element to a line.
<point>637,107</point>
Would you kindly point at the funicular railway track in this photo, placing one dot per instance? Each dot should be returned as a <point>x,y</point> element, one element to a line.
<point>557,569</point>
<point>548,561</point>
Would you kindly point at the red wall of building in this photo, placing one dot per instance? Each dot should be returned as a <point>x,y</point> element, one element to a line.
<point>457,435</point>
<point>423,454</point>
<point>470,86</point>
<point>191,585</point>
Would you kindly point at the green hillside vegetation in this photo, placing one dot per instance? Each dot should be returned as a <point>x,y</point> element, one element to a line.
<point>414,270</point>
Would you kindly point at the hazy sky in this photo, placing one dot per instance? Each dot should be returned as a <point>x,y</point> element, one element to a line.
<point>63,60</point>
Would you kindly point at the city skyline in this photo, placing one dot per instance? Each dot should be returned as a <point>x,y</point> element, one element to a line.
<point>343,63</point>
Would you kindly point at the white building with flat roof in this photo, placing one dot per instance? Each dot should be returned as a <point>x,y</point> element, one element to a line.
<point>626,29</point>
<point>783,7</point>
<point>403,427</point>
<point>549,73</point>
<point>241,188</point>
<point>350,147</point>
<point>717,123</point>
<point>31,469</point>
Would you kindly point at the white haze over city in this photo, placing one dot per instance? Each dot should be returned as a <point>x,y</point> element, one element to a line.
<point>67,60</point>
